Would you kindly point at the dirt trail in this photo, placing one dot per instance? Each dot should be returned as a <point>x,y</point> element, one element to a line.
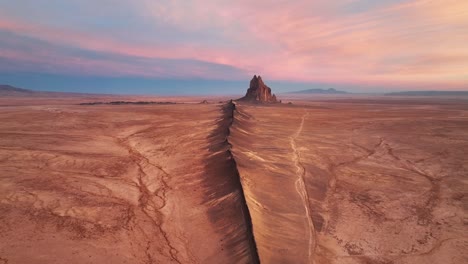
<point>301,186</point>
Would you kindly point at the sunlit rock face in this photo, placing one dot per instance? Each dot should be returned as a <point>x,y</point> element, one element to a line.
<point>259,92</point>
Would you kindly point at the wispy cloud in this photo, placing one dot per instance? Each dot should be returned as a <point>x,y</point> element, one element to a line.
<point>400,42</point>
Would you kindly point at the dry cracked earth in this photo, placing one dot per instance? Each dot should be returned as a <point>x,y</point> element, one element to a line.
<point>335,181</point>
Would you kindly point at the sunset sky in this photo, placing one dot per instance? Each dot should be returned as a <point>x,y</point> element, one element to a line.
<point>187,46</point>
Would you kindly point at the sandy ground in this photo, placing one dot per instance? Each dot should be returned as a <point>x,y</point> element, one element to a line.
<point>117,184</point>
<point>363,181</point>
<point>354,180</point>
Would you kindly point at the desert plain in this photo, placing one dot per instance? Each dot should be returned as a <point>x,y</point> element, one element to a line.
<point>350,180</point>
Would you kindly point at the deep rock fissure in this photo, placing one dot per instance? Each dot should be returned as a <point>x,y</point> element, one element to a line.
<point>229,111</point>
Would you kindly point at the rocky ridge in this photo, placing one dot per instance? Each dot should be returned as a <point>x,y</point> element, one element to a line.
<point>258,92</point>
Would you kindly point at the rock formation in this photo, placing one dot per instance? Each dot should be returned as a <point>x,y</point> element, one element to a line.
<point>259,92</point>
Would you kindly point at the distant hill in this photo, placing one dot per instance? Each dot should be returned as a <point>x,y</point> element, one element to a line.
<point>8,90</point>
<point>11,91</point>
<point>319,91</point>
<point>429,93</point>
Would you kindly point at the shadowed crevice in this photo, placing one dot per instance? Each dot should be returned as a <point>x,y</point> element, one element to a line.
<point>225,193</point>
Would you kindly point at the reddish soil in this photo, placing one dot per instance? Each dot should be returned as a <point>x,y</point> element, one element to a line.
<point>352,180</point>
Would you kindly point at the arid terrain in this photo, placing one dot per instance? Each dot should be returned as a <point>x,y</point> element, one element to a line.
<point>352,180</point>
<point>118,184</point>
<point>356,181</point>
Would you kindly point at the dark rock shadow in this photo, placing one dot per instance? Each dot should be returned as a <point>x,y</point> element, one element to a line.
<point>228,211</point>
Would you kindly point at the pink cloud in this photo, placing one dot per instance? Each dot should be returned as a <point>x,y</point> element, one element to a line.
<point>418,41</point>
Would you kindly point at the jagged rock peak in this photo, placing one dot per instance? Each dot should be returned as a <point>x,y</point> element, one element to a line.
<point>259,92</point>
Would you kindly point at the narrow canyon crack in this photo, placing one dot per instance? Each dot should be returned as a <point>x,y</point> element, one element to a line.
<point>229,112</point>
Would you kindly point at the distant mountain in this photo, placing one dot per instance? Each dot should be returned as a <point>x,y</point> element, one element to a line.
<point>11,91</point>
<point>259,92</point>
<point>8,90</point>
<point>319,91</point>
<point>429,93</point>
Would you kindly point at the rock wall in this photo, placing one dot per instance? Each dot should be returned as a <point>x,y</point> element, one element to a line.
<point>259,92</point>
